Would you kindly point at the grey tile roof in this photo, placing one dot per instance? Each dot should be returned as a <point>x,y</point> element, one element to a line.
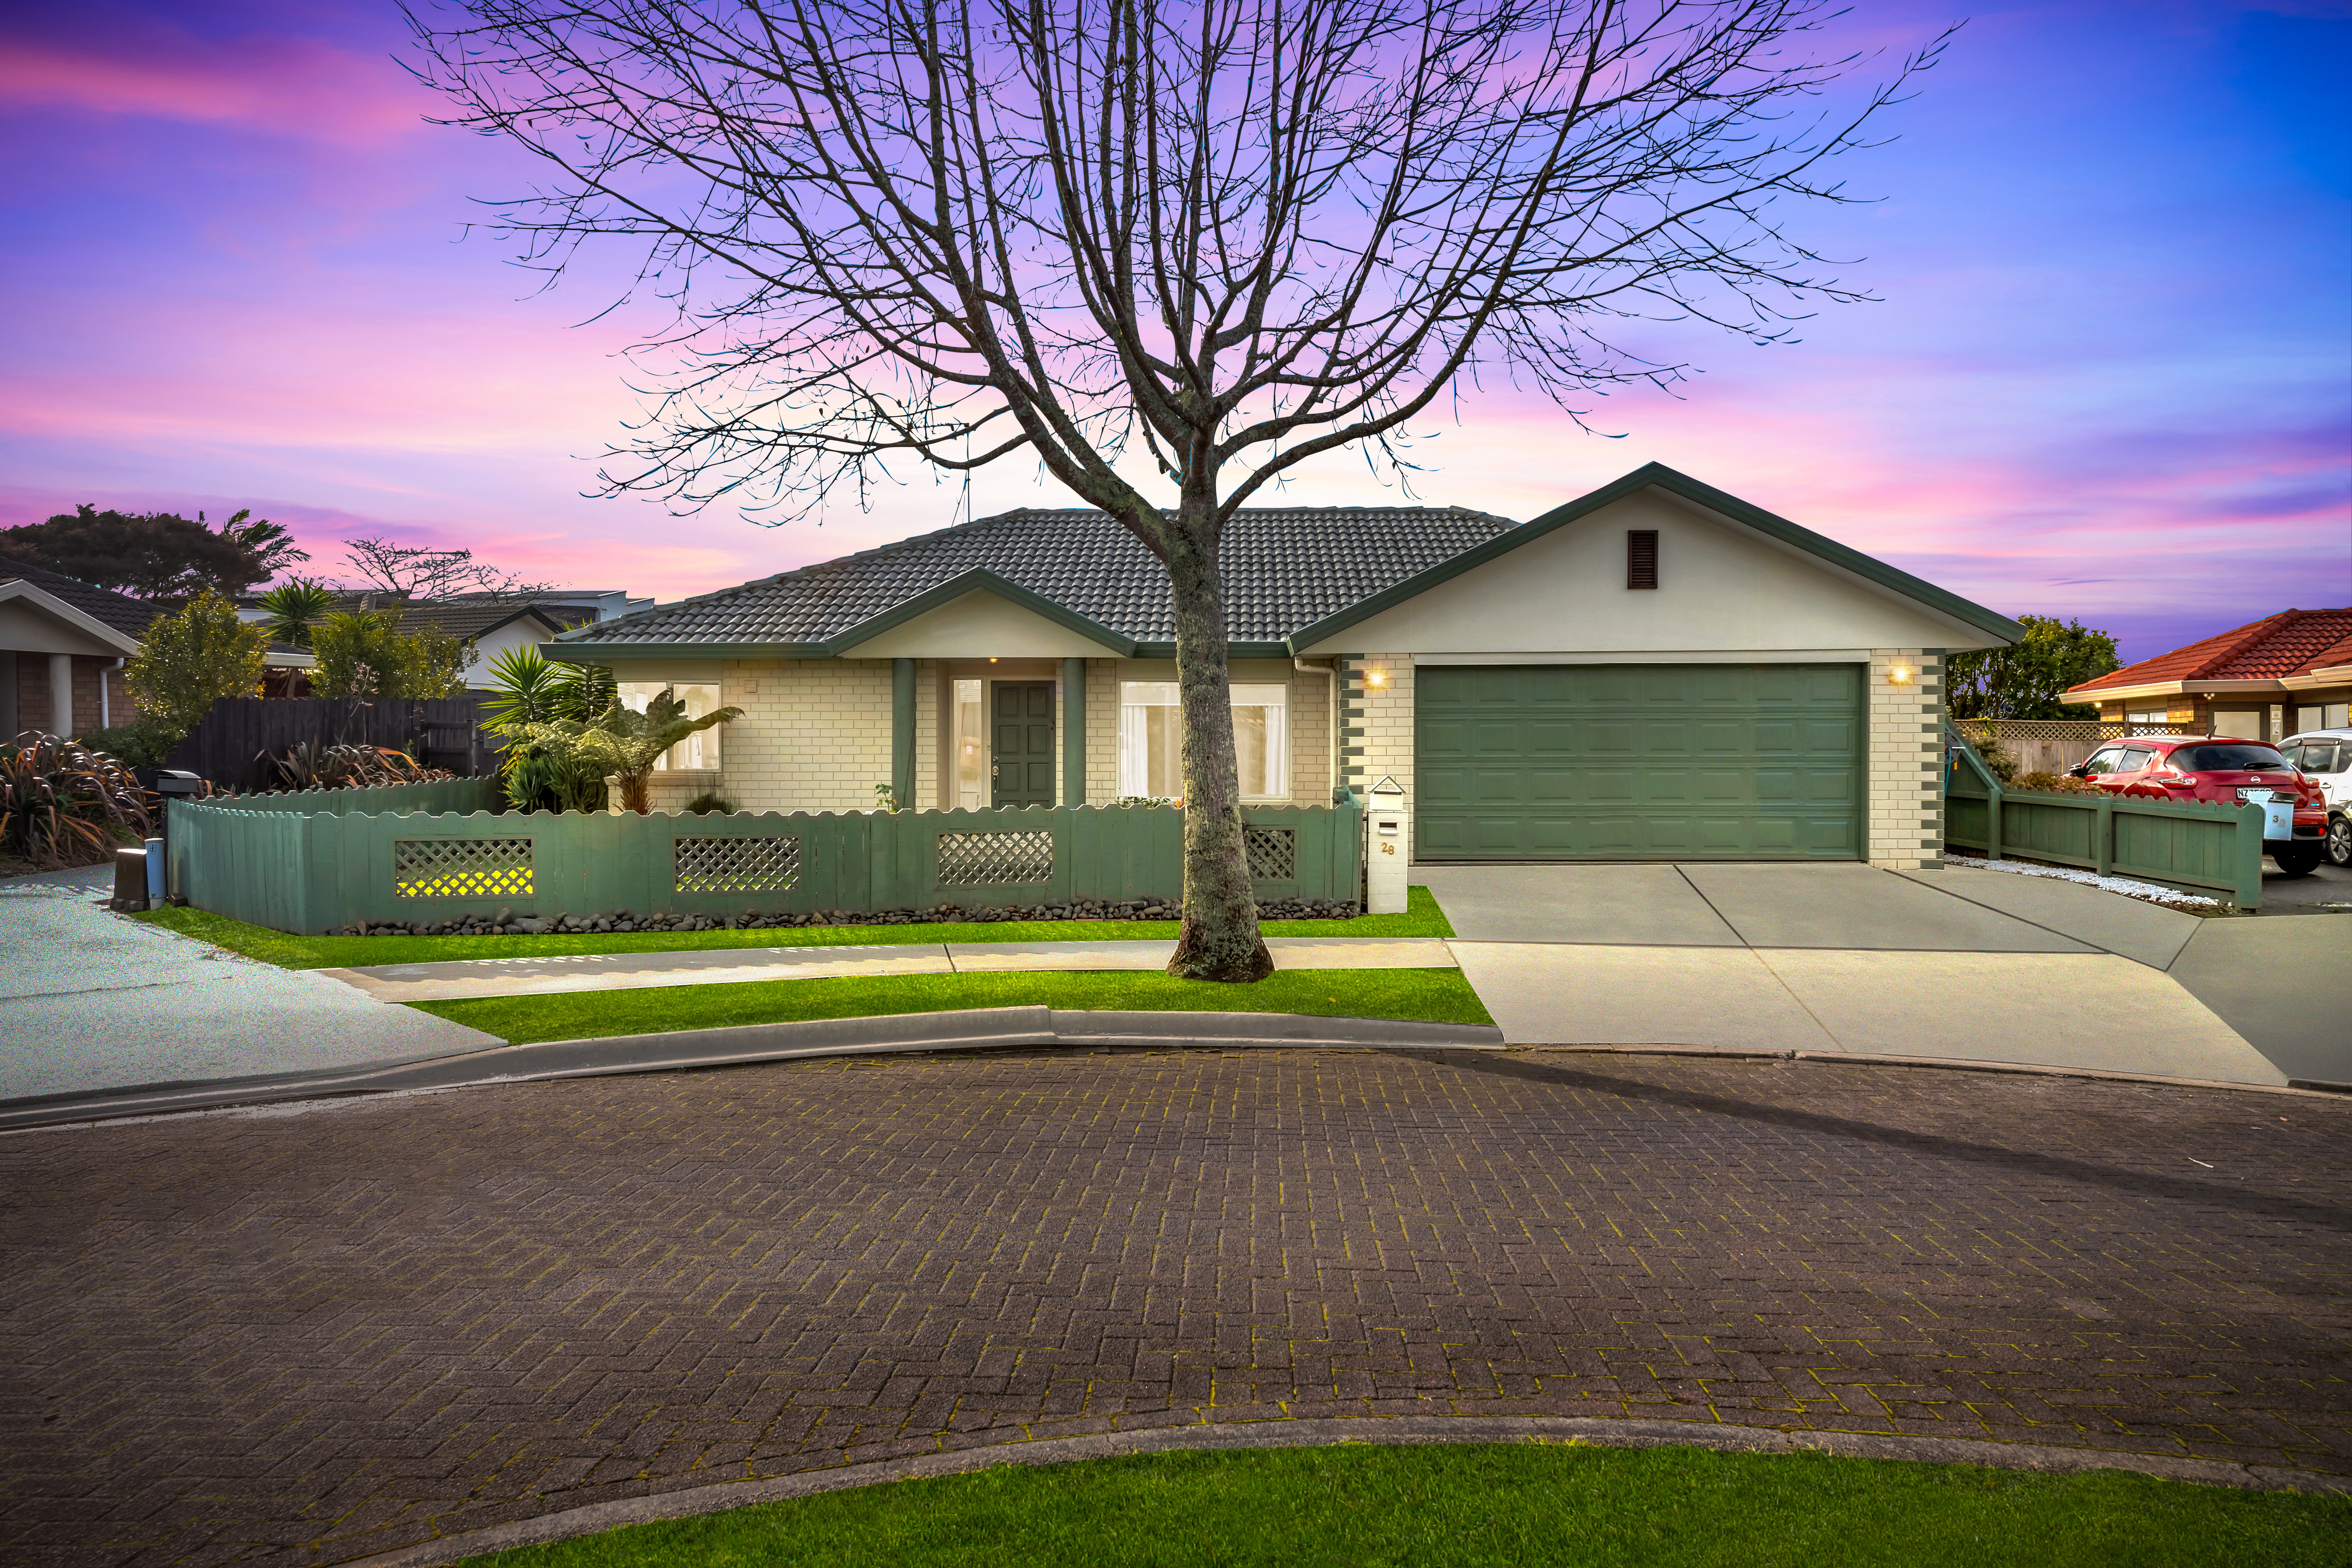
<point>1286,568</point>
<point>463,621</point>
<point>104,606</point>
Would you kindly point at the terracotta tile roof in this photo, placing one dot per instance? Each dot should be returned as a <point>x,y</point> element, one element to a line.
<point>2288,643</point>
<point>1286,568</point>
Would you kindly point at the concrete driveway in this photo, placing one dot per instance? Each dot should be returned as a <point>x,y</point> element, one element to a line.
<point>91,1000</point>
<point>1956,963</point>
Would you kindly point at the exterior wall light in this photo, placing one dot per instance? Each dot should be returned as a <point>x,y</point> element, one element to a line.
<point>1376,679</point>
<point>1901,674</point>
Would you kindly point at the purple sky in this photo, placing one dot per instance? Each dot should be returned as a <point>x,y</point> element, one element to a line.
<point>2109,378</point>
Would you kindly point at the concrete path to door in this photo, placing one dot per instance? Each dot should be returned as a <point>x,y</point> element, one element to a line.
<point>1953,965</point>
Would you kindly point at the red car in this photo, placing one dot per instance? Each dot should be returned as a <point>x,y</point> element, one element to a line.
<point>2220,768</point>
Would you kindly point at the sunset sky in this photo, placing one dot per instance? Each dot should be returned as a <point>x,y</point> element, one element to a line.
<point>2108,379</point>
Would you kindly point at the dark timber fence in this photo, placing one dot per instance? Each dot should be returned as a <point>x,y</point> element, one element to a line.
<point>228,746</point>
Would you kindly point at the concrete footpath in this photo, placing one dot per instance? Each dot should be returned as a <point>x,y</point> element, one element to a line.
<point>466,978</point>
<point>89,1001</point>
<point>1956,965</point>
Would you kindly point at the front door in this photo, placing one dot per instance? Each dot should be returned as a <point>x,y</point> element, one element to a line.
<point>1022,759</point>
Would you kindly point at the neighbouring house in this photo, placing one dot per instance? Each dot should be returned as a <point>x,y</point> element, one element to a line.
<point>1655,671</point>
<point>492,623</point>
<point>62,648</point>
<point>492,628</point>
<point>2264,682</point>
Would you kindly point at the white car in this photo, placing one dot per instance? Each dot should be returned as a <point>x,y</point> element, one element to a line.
<point>2325,757</point>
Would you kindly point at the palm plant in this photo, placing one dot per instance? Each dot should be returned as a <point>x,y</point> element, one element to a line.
<point>539,708</point>
<point>622,743</point>
<point>294,609</point>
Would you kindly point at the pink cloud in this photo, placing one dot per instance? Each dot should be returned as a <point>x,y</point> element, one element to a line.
<point>297,87</point>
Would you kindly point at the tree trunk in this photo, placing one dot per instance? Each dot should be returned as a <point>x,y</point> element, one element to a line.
<point>1220,938</point>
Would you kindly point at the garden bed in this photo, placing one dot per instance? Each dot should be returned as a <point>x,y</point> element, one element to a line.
<point>1422,918</point>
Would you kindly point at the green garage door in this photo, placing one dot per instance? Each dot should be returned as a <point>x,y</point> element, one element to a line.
<point>1573,762</point>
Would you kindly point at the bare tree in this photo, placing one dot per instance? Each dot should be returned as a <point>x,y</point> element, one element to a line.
<point>427,575</point>
<point>1171,247</point>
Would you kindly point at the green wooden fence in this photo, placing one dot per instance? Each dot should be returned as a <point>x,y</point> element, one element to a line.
<point>312,863</point>
<point>2204,847</point>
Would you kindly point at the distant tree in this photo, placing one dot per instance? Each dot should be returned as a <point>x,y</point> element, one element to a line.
<point>2026,681</point>
<point>429,575</point>
<point>191,660</point>
<point>271,543</point>
<point>367,654</point>
<point>148,555</point>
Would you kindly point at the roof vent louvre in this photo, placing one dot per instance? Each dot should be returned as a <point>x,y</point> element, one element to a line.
<point>1641,558</point>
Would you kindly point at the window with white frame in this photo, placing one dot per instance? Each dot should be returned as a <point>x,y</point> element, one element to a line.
<point>697,752</point>
<point>1151,739</point>
<point>969,739</point>
<point>2146,716</point>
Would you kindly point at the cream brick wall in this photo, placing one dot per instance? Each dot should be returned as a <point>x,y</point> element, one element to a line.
<point>1103,675</point>
<point>1903,823</point>
<point>1309,706</point>
<point>815,735</point>
<point>1377,721</point>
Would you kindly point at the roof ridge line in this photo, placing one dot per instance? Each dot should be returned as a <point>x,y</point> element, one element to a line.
<point>2254,631</point>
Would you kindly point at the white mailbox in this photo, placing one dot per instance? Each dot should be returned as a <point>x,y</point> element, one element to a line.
<point>1388,849</point>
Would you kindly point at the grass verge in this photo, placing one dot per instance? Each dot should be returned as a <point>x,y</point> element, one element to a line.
<point>1488,1505</point>
<point>1429,996</point>
<point>1421,918</point>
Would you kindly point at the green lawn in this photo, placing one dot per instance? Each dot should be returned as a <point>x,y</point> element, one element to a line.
<point>1435,995</point>
<point>1422,918</point>
<point>1491,1506</point>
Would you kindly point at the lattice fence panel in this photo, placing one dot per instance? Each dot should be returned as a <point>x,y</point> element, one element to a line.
<point>461,868</point>
<point>984,859</point>
<point>765,864</point>
<point>1273,852</point>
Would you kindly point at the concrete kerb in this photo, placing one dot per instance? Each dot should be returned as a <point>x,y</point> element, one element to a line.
<point>2299,1088</point>
<point>988,1029</point>
<point>1402,1431</point>
<point>993,1029</point>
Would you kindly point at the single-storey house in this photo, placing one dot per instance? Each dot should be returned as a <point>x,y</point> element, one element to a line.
<point>62,647</point>
<point>1655,671</point>
<point>2264,682</point>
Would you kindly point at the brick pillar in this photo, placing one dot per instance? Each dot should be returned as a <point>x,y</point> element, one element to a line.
<point>1904,822</point>
<point>61,702</point>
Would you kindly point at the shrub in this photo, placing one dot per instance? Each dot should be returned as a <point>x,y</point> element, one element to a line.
<point>2054,784</point>
<point>365,654</point>
<point>190,660</point>
<point>144,743</point>
<point>316,766</point>
<point>62,804</point>
<point>710,803</point>
<point>1998,758</point>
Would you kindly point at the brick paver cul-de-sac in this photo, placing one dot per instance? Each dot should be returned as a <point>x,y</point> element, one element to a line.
<point>303,1336</point>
